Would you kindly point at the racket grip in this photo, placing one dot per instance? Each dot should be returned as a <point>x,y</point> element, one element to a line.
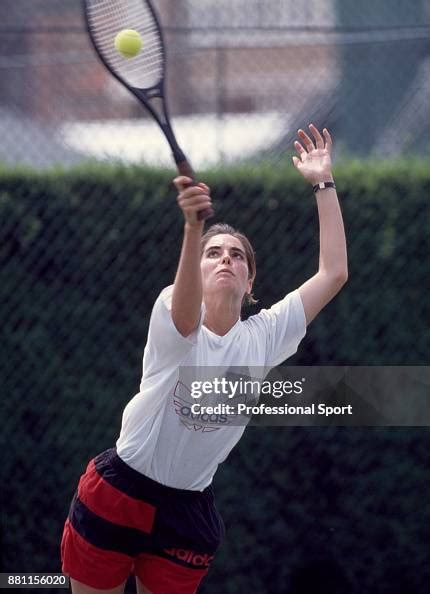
<point>185,168</point>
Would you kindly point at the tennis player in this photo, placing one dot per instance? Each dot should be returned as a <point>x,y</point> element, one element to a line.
<point>147,506</point>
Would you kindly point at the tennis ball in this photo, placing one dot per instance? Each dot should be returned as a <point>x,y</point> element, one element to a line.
<point>128,43</point>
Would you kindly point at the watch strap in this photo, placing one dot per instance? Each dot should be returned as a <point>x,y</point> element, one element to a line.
<point>323,185</point>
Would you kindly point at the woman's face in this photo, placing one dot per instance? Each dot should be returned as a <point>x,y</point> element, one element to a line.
<point>224,267</point>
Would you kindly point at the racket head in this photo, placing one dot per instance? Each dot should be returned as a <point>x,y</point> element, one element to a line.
<point>143,74</point>
<point>105,18</point>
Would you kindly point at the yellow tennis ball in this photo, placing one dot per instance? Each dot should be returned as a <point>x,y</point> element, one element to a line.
<point>128,43</point>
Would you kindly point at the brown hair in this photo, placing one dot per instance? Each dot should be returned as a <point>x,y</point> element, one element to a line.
<point>224,229</point>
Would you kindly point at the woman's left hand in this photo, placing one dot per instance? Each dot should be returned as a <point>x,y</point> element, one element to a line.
<point>314,160</point>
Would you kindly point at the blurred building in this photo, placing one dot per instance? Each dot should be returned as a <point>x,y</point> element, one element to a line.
<point>360,68</point>
<point>219,61</point>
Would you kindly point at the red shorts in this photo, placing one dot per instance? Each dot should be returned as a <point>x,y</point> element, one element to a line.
<point>121,522</point>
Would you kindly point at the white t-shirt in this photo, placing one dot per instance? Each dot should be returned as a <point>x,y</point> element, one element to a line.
<point>156,439</point>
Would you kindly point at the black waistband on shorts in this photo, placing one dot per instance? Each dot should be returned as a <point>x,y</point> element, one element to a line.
<point>136,484</point>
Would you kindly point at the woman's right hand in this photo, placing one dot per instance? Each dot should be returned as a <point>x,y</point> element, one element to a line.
<point>192,199</point>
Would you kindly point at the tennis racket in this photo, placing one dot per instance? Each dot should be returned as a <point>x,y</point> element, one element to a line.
<point>143,75</point>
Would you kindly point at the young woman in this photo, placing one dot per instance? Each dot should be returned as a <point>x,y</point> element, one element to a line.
<point>147,506</point>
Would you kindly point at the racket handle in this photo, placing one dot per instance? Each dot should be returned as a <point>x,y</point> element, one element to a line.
<point>185,168</point>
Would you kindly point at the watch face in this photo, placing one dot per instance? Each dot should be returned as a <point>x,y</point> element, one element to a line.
<point>323,185</point>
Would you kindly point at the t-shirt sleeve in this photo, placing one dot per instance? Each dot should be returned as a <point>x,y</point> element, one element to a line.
<point>282,327</point>
<point>166,346</point>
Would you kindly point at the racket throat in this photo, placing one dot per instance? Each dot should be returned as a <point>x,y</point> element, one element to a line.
<point>178,154</point>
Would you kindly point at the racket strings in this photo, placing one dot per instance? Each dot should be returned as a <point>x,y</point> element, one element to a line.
<point>106,18</point>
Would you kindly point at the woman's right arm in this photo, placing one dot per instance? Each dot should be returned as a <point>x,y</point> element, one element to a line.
<point>187,290</point>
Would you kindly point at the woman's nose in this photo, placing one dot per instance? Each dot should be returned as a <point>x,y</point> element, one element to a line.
<point>226,259</point>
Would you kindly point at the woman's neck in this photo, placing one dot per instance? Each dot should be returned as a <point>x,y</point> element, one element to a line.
<point>220,317</point>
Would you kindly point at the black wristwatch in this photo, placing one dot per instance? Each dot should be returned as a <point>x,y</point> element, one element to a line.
<point>323,185</point>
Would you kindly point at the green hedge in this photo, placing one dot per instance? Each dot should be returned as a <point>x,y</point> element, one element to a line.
<point>84,254</point>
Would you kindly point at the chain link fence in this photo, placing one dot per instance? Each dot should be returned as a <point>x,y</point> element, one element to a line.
<point>84,252</point>
<point>242,76</point>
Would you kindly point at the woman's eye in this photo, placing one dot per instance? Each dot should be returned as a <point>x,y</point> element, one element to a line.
<point>238,255</point>
<point>212,253</point>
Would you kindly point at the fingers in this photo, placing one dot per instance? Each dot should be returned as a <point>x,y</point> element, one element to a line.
<point>181,182</point>
<point>328,140</point>
<point>318,138</point>
<point>300,150</point>
<point>191,191</point>
<point>192,199</point>
<point>191,206</point>
<point>319,142</point>
<point>306,140</point>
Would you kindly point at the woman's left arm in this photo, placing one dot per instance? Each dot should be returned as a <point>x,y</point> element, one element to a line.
<point>314,163</point>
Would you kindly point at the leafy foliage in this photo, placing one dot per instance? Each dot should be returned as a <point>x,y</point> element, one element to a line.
<point>84,254</point>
